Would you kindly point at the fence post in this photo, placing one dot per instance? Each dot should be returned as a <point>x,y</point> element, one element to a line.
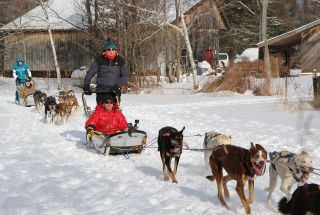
<point>316,89</point>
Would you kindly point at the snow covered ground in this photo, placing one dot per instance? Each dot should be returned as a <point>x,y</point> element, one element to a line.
<point>46,169</point>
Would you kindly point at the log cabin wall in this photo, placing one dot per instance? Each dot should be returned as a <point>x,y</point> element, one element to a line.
<point>36,49</point>
<point>311,50</point>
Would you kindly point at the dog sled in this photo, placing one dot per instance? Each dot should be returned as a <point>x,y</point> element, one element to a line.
<point>26,94</point>
<point>132,140</point>
<point>28,101</point>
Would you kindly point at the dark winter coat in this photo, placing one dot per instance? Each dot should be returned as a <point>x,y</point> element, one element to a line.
<point>107,122</point>
<point>109,73</point>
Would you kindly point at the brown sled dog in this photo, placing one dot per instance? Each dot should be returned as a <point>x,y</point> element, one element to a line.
<point>241,165</point>
<point>170,146</point>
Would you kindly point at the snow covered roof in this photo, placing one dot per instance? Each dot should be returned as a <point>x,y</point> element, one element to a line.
<point>291,37</point>
<point>250,54</point>
<point>63,14</point>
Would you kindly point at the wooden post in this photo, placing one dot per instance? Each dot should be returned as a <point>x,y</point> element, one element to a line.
<point>316,89</point>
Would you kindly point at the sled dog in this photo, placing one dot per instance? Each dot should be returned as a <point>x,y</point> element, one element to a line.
<point>63,112</point>
<point>50,110</point>
<point>68,97</point>
<point>72,103</point>
<point>211,140</point>
<point>170,142</point>
<point>241,165</point>
<point>305,200</point>
<point>39,98</point>
<point>291,168</point>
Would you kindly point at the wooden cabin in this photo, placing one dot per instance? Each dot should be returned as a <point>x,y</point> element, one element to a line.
<point>298,48</point>
<point>36,48</point>
<point>28,36</point>
<point>205,19</point>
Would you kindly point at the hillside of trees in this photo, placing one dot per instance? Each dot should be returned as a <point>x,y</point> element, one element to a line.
<point>243,17</point>
<point>11,9</point>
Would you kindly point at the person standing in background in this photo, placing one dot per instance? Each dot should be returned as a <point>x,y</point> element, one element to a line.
<point>21,72</point>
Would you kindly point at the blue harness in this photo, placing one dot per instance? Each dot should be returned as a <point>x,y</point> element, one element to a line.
<point>285,154</point>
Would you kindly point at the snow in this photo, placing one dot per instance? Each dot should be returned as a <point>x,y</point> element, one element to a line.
<point>63,14</point>
<point>204,65</point>
<point>250,54</point>
<point>46,169</point>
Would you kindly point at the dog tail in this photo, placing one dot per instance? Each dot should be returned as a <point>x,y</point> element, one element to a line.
<point>284,206</point>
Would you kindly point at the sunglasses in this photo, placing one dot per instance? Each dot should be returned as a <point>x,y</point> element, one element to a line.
<point>111,50</point>
<point>108,102</point>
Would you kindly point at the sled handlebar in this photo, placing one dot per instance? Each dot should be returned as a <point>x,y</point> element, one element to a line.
<point>87,109</point>
<point>95,92</point>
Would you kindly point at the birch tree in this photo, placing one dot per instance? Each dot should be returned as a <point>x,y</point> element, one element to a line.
<point>263,37</point>
<point>55,58</point>
<point>183,30</point>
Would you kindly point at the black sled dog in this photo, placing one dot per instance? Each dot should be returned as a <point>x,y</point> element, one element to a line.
<point>50,109</point>
<point>305,200</point>
<point>39,99</point>
<point>170,142</point>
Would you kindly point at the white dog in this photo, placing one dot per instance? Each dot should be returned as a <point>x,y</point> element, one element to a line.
<point>212,140</point>
<point>291,168</point>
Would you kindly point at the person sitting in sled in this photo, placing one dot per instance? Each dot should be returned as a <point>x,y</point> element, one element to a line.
<point>111,71</point>
<point>27,89</point>
<point>106,119</point>
<point>21,72</point>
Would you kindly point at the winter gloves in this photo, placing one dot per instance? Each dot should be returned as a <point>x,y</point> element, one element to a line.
<point>87,90</point>
<point>90,128</point>
<point>116,89</point>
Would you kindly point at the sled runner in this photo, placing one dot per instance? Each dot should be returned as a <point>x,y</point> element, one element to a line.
<point>129,141</point>
<point>28,101</point>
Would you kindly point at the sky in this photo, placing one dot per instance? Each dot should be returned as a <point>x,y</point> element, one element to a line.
<point>47,169</point>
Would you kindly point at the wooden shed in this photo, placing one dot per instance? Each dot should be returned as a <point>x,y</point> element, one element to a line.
<point>205,19</point>
<point>27,36</point>
<point>298,48</point>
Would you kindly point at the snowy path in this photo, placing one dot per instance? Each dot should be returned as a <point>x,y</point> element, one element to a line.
<point>46,169</point>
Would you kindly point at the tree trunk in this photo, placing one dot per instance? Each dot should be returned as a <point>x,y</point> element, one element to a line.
<point>96,13</point>
<point>56,63</point>
<point>88,10</point>
<point>190,52</point>
<point>178,45</point>
<point>266,49</point>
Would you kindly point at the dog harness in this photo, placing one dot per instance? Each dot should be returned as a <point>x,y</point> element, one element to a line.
<point>295,170</point>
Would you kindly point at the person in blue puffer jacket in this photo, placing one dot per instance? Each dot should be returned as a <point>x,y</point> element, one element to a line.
<point>21,72</point>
